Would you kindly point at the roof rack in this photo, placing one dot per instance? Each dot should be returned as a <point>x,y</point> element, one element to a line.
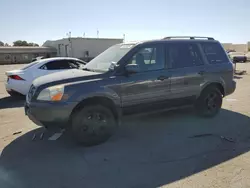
<point>188,37</point>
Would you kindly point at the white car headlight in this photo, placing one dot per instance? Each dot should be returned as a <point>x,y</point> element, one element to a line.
<point>54,93</point>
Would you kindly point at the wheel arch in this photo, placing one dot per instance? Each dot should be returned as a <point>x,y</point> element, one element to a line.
<point>219,85</point>
<point>101,100</point>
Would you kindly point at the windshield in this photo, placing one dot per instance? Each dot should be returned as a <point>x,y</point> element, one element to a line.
<point>30,65</point>
<point>112,55</point>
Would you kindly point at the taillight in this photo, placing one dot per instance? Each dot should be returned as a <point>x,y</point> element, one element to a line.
<point>16,77</point>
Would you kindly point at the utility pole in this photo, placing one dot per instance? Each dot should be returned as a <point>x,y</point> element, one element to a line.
<point>123,37</point>
<point>70,42</point>
<point>97,33</point>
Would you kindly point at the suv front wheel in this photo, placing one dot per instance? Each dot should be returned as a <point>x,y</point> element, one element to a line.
<point>93,125</point>
<point>209,102</point>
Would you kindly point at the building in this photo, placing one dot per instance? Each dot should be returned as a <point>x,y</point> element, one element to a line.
<point>23,54</point>
<point>228,46</point>
<point>248,46</point>
<point>83,48</point>
<point>237,47</point>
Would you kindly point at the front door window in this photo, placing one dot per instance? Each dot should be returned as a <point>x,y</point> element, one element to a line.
<point>148,59</point>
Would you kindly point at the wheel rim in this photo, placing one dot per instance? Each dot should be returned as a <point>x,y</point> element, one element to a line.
<point>212,102</point>
<point>94,123</point>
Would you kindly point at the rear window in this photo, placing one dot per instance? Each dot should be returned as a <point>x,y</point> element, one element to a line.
<point>214,53</point>
<point>182,55</point>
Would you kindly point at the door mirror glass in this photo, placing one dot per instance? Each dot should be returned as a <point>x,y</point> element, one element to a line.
<point>132,68</point>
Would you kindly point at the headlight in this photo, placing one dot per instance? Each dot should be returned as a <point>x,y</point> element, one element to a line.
<point>54,93</point>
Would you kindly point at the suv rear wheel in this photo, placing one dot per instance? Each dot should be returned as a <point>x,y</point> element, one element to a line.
<point>93,125</point>
<point>209,103</point>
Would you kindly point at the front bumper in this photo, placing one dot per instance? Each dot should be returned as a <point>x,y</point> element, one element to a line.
<point>49,114</point>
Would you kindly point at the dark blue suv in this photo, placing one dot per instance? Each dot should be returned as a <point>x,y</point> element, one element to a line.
<point>131,78</point>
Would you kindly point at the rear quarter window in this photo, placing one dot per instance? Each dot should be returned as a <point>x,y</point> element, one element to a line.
<point>214,53</point>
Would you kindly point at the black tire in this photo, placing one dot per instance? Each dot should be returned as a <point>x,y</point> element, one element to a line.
<point>93,125</point>
<point>209,103</point>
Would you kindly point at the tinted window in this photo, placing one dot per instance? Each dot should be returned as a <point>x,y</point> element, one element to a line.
<point>150,58</point>
<point>183,55</point>
<point>58,65</point>
<point>214,53</point>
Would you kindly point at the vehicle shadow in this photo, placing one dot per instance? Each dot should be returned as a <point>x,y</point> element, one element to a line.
<point>12,102</point>
<point>147,151</point>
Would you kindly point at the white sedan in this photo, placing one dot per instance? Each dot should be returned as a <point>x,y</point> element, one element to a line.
<point>20,80</point>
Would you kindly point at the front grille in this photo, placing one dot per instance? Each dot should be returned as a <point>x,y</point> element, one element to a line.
<point>31,92</point>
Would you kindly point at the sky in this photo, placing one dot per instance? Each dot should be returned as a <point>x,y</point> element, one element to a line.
<point>41,20</point>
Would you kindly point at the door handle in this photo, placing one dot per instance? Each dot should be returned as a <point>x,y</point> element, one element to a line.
<point>162,78</point>
<point>201,72</point>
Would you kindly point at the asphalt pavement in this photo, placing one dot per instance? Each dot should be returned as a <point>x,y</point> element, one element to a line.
<point>168,149</point>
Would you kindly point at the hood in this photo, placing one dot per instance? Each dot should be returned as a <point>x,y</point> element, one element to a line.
<point>63,77</point>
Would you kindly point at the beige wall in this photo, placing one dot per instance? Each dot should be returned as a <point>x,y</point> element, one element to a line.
<point>80,45</point>
<point>8,58</point>
<point>227,46</point>
<point>94,46</point>
<point>240,47</point>
<point>23,54</point>
<point>236,47</point>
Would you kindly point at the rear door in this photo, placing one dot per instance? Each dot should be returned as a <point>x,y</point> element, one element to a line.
<point>187,69</point>
<point>145,90</point>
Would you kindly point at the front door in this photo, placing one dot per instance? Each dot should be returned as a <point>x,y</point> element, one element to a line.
<point>186,71</point>
<point>144,90</point>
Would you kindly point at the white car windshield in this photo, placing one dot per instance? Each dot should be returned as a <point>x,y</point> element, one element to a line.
<point>105,60</point>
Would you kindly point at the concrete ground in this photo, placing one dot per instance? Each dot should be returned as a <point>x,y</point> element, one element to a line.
<point>170,149</point>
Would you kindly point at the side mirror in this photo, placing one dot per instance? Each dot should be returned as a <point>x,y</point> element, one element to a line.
<point>132,68</point>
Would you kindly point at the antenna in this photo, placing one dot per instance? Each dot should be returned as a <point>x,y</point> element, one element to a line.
<point>69,35</point>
